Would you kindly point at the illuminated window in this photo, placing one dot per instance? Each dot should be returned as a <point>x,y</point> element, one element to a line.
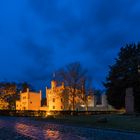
<point>24,97</point>
<point>53,107</point>
<point>53,99</point>
<point>24,108</point>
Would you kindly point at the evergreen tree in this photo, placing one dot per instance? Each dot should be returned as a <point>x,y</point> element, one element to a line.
<point>124,73</point>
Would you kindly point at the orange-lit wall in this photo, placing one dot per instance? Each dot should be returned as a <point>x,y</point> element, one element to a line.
<point>29,101</point>
<point>58,98</point>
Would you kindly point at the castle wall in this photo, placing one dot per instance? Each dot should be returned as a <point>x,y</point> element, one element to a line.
<point>29,101</point>
<point>58,98</point>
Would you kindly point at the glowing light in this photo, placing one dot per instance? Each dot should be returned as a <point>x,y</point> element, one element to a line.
<point>48,113</point>
<point>82,105</point>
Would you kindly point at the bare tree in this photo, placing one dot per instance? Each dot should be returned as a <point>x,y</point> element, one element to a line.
<point>9,93</point>
<point>75,77</point>
<point>86,90</point>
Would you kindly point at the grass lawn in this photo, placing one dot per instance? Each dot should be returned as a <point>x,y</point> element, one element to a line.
<point>121,122</point>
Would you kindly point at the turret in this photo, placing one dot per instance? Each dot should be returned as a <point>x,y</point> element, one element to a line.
<point>28,90</point>
<point>40,92</point>
<point>47,96</point>
<point>53,84</point>
<point>28,93</point>
<point>63,85</point>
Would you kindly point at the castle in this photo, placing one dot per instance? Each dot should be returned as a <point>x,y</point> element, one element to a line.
<point>29,101</point>
<point>58,98</point>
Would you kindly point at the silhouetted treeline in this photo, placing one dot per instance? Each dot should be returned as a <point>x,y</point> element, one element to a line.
<point>124,73</point>
<point>9,93</point>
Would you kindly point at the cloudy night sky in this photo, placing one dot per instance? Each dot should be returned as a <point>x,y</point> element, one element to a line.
<point>37,37</point>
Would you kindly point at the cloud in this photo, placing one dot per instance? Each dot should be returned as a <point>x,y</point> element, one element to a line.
<point>88,30</point>
<point>42,36</point>
<point>40,58</point>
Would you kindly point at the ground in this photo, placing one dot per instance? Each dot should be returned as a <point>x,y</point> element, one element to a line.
<point>121,122</point>
<point>27,128</point>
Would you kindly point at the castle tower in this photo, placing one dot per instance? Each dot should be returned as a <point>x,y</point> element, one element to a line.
<point>28,90</point>
<point>53,84</point>
<point>40,92</point>
<point>47,96</point>
<point>63,85</point>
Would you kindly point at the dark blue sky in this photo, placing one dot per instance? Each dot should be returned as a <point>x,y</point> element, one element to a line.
<point>39,36</point>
